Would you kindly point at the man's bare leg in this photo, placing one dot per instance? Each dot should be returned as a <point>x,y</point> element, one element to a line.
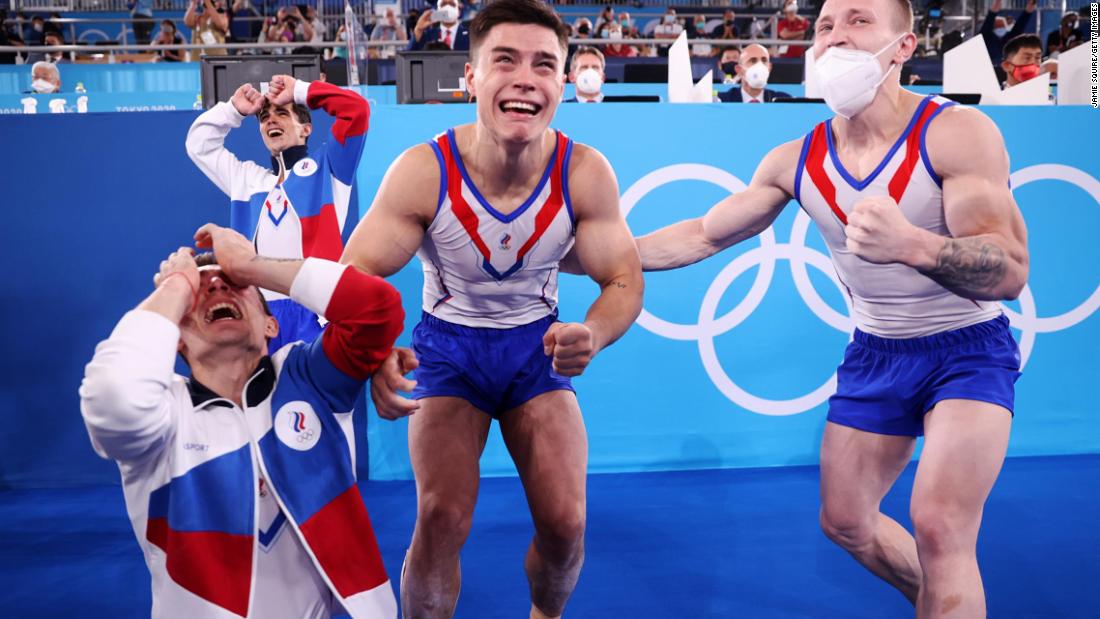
<point>446,438</point>
<point>857,469</point>
<point>964,448</point>
<point>547,440</point>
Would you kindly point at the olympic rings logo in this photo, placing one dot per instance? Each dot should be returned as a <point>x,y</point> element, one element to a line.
<point>709,325</point>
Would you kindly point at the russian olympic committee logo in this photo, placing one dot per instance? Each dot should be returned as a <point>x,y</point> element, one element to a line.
<point>709,325</point>
<point>297,426</point>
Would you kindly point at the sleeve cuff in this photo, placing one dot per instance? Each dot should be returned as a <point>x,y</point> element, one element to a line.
<point>301,91</point>
<point>315,283</point>
<point>230,113</point>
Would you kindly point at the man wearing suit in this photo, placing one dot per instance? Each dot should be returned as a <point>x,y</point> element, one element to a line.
<point>586,73</point>
<point>444,28</point>
<point>753,68</point>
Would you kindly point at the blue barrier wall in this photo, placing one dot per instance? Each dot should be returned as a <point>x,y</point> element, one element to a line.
<point>106,196</point>
<point>749,391</point>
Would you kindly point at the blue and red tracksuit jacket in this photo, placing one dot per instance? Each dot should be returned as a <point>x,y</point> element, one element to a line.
<point>189,461</point>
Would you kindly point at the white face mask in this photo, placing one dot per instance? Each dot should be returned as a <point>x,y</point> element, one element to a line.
<point>41,86</point>
<point>670,19</point>
<point>448,13</point>
<point>757,75</point>
<point>849,78</point>
<point>589,82</point>
<point>1000,32</point>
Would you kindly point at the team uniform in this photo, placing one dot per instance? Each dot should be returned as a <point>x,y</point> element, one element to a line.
<point>916,343</point>
<point>253,511</point>
<point>490,286</point>
<point>303,216</point>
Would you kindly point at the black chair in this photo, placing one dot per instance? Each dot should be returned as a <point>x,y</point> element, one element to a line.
<point>645,73</point>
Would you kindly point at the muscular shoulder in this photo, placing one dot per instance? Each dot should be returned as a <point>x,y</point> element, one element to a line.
<point>587,164</point>
<point>956,126</point>
<point>412,184</point>
<point>593,187</point>
<point>777,168</point>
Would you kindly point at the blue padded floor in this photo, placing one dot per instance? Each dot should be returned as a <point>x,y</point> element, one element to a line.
<point>731,543</point>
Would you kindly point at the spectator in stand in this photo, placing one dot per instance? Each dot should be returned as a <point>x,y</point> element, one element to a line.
<point>241,26</point>
<point>582,28</point>
<point>141,13</point>
<point>617,49</point>
<point>793,27</point>
<point>607,16</point>
<point>45,78</point>
<point>1067,36</point>
<point>1021,59</point>
<point>51,39</point>
<point>302,27</point>
<point>699,31</point>
<point>444,25</point>
<point>727,65</point>
<point>628,25</point>
<point>168,35</point>
<point>995,29</point>
<point>669,28</point>
<point>342,37</point>
<point>754,69</point>
<point>728,29</point>
<point>316,24</point>
<point>36,34</point>
<point>586,72</point>
<point>209,24</point>
<point>8,37</point>
<point>388,28</point>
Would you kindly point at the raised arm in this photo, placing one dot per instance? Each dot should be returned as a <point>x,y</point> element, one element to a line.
<point>219,20</point>
<point>351,111</point>
<point>1023,20</point>
<point>391,232</point>
<point>987,258</point>
<point>124,397</point>
<point>191,17</point>
<point>736,218</point>
<point>605,249</point>
<point>206,143</point>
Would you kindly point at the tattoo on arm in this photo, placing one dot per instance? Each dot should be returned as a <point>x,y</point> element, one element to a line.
<point>616,283</point>
<point>972,264</point>
<point>269,259</point>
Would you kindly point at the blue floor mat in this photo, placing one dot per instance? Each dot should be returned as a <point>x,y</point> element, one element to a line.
<point>698,544</point>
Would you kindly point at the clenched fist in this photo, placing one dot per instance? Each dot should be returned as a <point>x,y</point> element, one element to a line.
<point>878,232</point>
<point>247,100</point>
<point>280,90</point>
<point>571,345</point>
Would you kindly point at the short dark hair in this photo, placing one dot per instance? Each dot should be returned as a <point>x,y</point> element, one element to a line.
<point>301,111</point>
<point>1021,41</point>
<point>535,12</point>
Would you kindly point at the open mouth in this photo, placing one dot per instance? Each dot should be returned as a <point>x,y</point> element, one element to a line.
<point>274,132</point>
<point>520,107</point>
<point>223,311</point>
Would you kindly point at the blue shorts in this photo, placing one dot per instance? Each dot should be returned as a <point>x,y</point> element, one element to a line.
<point>886,385</point>
<point>295,323</point>
<point>496,370</point>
